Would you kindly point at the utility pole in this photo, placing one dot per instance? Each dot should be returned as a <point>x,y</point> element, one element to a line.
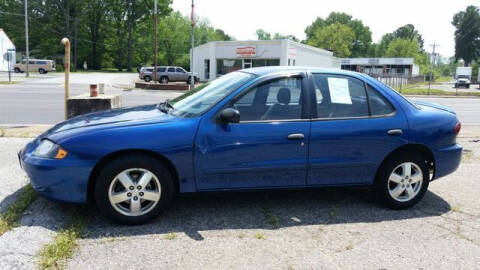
<point>75,44</point>
<point>434,46</point>
<point>26,36</point>
<point>192,76</point>
<point>155,50</point>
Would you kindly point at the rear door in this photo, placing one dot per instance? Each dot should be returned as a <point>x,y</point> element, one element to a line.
<point>353,128</point>
<point>171,74</point>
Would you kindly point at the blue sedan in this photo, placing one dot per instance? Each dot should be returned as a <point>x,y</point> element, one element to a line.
<point>260,128</point>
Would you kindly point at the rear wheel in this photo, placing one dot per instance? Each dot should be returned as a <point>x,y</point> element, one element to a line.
<point>16,70</point>
<point>402,180</point>
<point>41,71</point>
<point>164,79</point>
<point>147,78</point>
<point>133,189</point>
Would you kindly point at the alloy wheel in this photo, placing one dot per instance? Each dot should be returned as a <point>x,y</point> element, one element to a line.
<point>134,192</point>
<point>405,182</point>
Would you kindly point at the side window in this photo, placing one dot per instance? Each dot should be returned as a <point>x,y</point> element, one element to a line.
<point>161,69</point>
<point>379,105</point>
<point>274,100</point>
<point>180,70</point>
<point>171,69</point>
<point>340,96</point>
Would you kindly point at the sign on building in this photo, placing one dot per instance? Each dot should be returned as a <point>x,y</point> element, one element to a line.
<point>247,51</point>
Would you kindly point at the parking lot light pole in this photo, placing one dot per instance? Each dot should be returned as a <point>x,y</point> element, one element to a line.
<point>26,36</point>
<point>192,76</point>
<point>155,50</point>
<point>66,42</point>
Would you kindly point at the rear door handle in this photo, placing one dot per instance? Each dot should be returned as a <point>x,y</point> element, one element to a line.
<point>395,132</point>
<point>295,136</point>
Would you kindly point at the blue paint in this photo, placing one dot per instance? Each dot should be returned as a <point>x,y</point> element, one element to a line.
<point>209,155</point>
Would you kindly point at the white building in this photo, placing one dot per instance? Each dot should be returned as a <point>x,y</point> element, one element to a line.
<point>216,58</point>
<point>7,49</point>
<point>404,67</point>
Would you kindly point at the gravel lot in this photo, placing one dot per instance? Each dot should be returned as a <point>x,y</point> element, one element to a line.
<point>341,228</point>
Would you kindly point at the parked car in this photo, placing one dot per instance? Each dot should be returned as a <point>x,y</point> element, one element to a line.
<point>41,65</point>
<point>145,73</point>
<point>167,74</point>
<point>260,128</point>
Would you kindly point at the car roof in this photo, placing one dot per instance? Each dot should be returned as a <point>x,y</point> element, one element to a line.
<point>262,71</point>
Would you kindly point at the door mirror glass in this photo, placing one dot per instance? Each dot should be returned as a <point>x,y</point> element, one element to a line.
<point>230,115</point>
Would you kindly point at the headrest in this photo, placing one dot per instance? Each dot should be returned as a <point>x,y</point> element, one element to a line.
<point>283,95</point>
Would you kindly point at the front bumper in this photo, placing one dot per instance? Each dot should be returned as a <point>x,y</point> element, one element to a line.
<point>64,180</point>
<point>447,160</point>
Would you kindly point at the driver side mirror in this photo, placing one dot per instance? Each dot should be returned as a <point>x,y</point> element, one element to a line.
<point>230,115</point>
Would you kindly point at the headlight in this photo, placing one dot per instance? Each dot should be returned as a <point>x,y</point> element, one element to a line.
<point>48,149</point>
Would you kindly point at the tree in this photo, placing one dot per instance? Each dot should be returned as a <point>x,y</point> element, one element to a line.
<point>263,35</point>
<point>336,37</point>
<point>408,31</point>
<point>402,48</point>
<point>362,34</point>
<point>467,34</point>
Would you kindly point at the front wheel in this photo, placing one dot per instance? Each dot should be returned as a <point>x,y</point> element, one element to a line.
<point>16,70</point>
<point>133,189</point>
<point>42,71</point>
<point>402,180</point>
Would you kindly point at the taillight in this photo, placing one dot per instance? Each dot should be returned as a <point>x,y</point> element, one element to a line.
<point>458,126</point>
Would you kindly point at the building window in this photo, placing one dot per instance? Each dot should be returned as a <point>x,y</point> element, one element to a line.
<point>225,66</point>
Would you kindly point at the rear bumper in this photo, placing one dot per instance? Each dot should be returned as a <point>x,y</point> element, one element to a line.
<point>447,160</point>
<point>63,180</point>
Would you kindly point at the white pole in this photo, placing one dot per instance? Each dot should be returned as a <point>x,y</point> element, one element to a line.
<point>26,36</point>
<point>192,76</point>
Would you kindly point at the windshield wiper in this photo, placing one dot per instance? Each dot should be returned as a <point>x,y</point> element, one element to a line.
<point>165,106</point>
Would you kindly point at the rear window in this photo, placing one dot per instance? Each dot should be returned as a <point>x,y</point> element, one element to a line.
<point>171,69</point>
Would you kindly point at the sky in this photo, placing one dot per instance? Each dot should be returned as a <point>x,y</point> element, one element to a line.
<point>241,19</point>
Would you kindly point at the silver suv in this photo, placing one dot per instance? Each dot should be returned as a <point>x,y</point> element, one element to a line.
<point>167,74</point>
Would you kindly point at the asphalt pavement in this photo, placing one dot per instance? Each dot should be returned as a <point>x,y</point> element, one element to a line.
<point>39,100</point>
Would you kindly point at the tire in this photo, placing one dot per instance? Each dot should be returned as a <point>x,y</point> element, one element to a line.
<point>189,80</point>
<point>130,169</point>
<point>417,183</point>
<point>41,71</point>
<point>147,78</point>
<point>197,79</point>
<point>164,79</point>
<point>468,86</point>
<point>16,70</point>
<point>456,86</point>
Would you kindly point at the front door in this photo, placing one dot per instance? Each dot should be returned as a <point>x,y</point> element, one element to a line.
<point>350,133</point>
<point>247,63</point>
<point>267,148</point>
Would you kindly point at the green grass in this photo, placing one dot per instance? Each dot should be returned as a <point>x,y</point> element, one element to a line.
<point>12,82</point>
<point>259,236</point>
<point>425,91</point>
<point>12,214</point>
<point>271,218</point>
<point>55,254</point>
<point>171,236</point>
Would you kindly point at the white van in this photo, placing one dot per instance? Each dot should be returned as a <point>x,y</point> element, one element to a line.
<point>41,65</point>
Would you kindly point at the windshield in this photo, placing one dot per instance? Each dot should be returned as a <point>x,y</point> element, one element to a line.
<point>205,96</point>
<point>463,77</point>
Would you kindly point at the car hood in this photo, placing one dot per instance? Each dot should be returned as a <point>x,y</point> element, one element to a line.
<point>123,116</point>
<point>434,105</point>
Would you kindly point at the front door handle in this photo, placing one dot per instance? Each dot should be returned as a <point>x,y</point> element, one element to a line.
<point>295,136</point>
<point>395,132</point>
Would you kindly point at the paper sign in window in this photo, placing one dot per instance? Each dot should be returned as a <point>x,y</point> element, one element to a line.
<point>339,91</point>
